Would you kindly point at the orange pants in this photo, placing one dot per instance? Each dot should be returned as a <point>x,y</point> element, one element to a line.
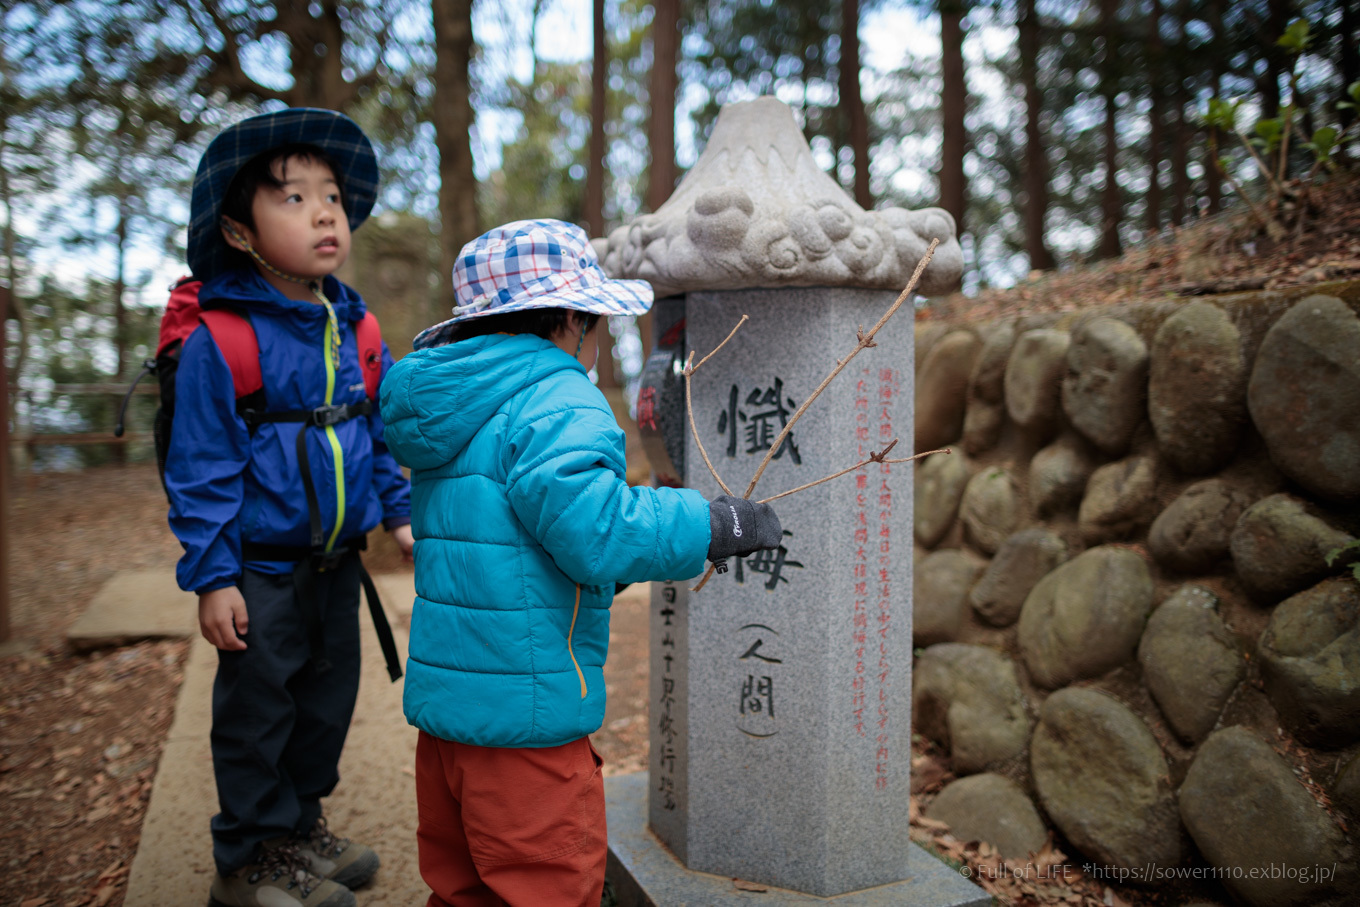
<point>510,826</point>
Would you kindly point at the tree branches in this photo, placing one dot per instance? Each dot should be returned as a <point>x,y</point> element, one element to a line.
<point>863,341</point>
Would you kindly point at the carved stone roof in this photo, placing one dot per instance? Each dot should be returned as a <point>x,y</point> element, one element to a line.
<point>757,211</point>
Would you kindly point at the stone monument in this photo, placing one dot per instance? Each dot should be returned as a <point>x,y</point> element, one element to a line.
<point>781,690</point>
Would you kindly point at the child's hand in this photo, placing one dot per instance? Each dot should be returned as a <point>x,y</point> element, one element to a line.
<point>221,616</point>
<point>740,527</point>
<point>407,542</point>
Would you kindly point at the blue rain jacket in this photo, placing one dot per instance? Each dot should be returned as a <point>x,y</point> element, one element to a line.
<point>226,486</point>
<point>523,524</point>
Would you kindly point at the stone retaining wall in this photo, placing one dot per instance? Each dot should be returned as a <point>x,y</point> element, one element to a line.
<point>1127,630</point>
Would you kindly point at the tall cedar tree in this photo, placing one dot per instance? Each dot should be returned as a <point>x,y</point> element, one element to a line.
<point>954,111</point>
<point>1036,151</point>
<point>452,115</point>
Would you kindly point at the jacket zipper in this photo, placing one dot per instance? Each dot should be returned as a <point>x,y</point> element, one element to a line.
<point>574,611</point>
<point>337,453</point>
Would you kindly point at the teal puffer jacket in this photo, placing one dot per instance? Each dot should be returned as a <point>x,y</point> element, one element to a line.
<point>523,524</point>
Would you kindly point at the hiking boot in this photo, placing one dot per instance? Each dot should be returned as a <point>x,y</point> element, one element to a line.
<point>281,878</point>
<point>337,859</point>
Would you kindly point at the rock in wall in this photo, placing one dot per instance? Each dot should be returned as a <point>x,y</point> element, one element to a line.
<point>1148,549</point>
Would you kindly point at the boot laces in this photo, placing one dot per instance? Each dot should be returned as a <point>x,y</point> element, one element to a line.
<point>283,861</point>
<point>324,841</point>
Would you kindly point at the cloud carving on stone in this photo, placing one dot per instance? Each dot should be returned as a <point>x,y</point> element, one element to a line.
<point>757,211</point>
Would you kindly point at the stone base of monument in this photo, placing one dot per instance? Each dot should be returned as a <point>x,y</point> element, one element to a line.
<point>645,873</point>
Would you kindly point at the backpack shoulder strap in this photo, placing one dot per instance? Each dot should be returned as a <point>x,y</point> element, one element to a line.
<point>235,337</point>
<point>368,337</point>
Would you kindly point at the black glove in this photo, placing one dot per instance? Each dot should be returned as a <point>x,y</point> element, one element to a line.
<point>740,527</point>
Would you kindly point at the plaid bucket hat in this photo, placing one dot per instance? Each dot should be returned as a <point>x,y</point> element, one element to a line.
<point>534,264</point>
<point>332,132</point>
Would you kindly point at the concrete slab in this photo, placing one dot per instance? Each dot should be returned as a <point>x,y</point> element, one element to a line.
<point>133,605</point>
<point>644,873</point>
<point>374,803</point>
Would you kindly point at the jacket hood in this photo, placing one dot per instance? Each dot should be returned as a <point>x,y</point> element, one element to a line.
<point>436,399</point>
<point>243,289</point>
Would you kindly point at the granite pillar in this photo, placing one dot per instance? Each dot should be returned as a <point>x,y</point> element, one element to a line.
<point>781,692</point>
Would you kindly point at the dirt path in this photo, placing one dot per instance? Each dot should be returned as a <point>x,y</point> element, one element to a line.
<point>81,735</point>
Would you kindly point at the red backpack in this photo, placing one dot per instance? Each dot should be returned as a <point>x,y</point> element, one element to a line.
<point>236,339</point>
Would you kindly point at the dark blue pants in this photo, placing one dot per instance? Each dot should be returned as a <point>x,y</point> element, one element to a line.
<point>278,724</point>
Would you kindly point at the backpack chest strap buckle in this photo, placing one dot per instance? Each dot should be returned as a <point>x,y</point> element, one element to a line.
<point>325,416</point>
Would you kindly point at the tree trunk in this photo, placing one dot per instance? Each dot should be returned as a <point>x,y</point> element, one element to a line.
<point>11,299</point>
<point>852,101</point>
<point>1350,59</point>
<point>452,116</point>
<point>661,130</point>
<point>595,178</point>
<point>954,104</point>
<point>120,289</point>
<point>1156,60</point>
<point>1036,155</point>
<point>1111,205</point>
<point>1183,133</point>
<point>661,127</point>
<point>1213,188</point>
<point>1269,84</point>
<point>595,170</point>
<point>15,308</point>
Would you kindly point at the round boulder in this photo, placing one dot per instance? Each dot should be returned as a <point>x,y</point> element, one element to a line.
<point>1021,561</point>
<point>982,426</point>
<point>988,381</point>
<point>1197,388</point>
<point>942,389</point>
<point>1191,661</point>
<point>1304,396</point>
<point>967,699</point>
<point>1086,617</point>
<point>1105,389</point>
<point>1310,661</point>
<point>1280,545</point>
<point>1033,384</point>
<point>940,585</point>
<point>1121,500</point>
<point>1346,787</point>
<point>1103,780</point>
<point>927,335</point>
<point>940,481</point>
<point>1058,475</point>
<point>990,509</point>
<point>994,809</point>
<point>1192,535</point>
<point>1248,814</point>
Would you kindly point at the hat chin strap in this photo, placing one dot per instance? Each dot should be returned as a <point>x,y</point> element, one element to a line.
<point>311,283</point>
<point>582,342</point>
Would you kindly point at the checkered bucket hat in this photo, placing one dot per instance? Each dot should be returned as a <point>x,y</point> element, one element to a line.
<point>534,264</point>
<point>332,132</point>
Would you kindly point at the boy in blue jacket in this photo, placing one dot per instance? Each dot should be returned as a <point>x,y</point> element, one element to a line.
<point>272,494</point>
<point>524,524</point>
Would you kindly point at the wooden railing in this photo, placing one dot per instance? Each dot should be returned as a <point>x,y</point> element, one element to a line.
<point>99,435</point>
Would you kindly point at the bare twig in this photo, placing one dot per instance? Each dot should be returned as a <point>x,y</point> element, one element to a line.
<point>730,335</point>
<point>873,458</point>
<point>1261,164</point>
<point>863,341</point>
<point>690,369</point>
<point>1267,222</point>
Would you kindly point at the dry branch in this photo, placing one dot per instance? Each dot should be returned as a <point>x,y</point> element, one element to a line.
<point>873,458</point>
<point>690,369</point>
<point>862,341</point>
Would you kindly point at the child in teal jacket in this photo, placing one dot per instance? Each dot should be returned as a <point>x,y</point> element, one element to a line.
<point>523,525</point>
